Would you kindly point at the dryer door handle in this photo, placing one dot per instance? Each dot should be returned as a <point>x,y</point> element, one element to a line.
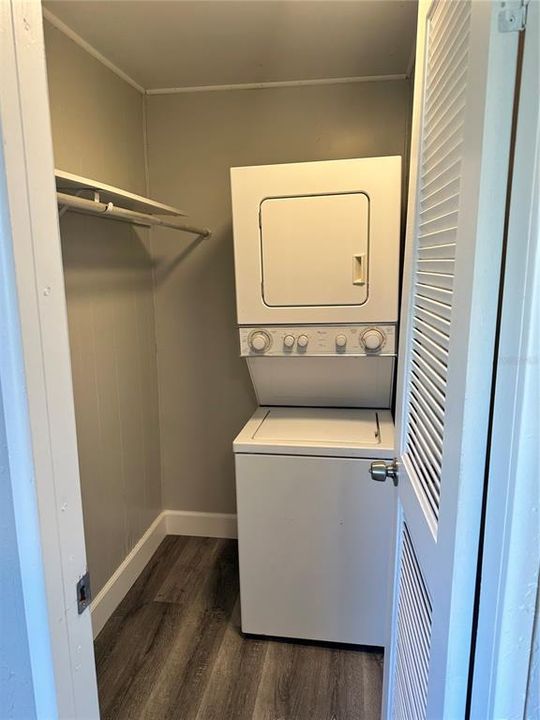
<point>359,269</point>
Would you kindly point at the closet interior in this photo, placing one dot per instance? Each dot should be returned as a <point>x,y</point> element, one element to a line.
<point>152,104</point>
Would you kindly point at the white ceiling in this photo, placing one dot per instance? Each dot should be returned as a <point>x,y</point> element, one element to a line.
<point>186,43</point>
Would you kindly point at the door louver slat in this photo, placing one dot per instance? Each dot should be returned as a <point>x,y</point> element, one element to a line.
<point>445,193</point>
<point>427,303</point>
<point>453,121</point>
<point>434,418</point>
<point>435,439</point>
<point>435,252</point>
<point>441,222</point>
<point>434,321</point>
<point>425,299</point>
<point>423,351</point>
<point>441,63</point>
<point>452,132</point>
<point>451,80</point>
<point>445,177</point>
<point>435,409</point>
<point>437,208</point>
<point>417,464</point>
<point>431,421</point>
<point>440,25</point>
<point>434,347</point>
<point>433,334</point>
<point>436,280</point>
<point>435,377</point>
<point>428,446</point>
<point>442,163</point>
<point>443,266</point>
<point>439,172</point>
<point>442,296</point>
<point>452,53</point>
<point>438,124</point>
<point>414,614</point>
<point>438,237</point>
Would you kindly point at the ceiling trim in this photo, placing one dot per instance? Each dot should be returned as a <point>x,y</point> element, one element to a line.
<point>280,84</point>
<point>90,49</point>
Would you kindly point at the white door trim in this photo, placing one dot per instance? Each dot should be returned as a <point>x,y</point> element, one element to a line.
<point>511,554</point>
<point>35,356</point>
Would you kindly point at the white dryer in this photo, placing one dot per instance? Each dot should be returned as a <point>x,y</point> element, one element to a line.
<point>316,260</point>
<point>317,242</point>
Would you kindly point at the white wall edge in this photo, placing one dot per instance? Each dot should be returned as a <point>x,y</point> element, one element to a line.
<point>168,522</point>
<point>90,49</point>
<point>201,524</point>
<point>281,84</point>
<point>116,588</point>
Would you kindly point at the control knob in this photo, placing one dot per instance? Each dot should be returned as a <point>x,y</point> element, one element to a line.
<point>302,341</point>
<point>341,341</point>
<point>288,341</point>
<point>259,341</point>
<point>372,340</point>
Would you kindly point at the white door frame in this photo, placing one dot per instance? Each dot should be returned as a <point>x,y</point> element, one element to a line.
<point>511,546</point>
<point>35,376</point>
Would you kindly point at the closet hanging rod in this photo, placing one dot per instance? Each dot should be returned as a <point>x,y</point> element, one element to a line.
<point>111,211</point>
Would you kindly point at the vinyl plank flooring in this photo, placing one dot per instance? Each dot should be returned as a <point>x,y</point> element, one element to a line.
<point>295,683</point>
<point>232,688</point>
<point>173,650</point>
<point>181,685</point>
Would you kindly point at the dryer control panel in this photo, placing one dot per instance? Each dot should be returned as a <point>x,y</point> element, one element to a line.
<point>312,340</point>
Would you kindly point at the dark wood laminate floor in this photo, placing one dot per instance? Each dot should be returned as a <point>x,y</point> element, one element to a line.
<point>173,650</point>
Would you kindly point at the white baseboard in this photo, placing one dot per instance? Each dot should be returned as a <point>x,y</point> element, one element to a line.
<point>201,524</point>
<point>169,522</point>
<point>116,587</point>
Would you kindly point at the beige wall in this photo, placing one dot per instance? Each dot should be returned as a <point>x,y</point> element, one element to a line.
<point>97,118</point>
<point>97,122</point>
<point>193,140</point>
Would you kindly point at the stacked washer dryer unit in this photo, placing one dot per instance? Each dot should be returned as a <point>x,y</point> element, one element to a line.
<point>316,259</point>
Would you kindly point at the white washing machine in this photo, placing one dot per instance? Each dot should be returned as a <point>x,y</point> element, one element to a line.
<point>314,529</point>
<point>316,260</point>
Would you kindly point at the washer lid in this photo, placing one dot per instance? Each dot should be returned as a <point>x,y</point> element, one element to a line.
<point>343,432</point>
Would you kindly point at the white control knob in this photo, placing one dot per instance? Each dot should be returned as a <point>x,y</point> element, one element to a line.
<point>302,341</point>
<point>341,340</point>
<point>259,341</point>
<point>288,341</point>
<point>372,340</point>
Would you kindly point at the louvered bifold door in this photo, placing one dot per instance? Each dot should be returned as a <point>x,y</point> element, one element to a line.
<point>439,189</point>
<point>460,149</point>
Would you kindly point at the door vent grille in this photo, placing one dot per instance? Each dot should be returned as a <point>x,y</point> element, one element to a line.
<point>413,633</point>
<point>435,242</point>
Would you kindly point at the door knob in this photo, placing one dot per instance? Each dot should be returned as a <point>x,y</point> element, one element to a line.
<point>380,470</point>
